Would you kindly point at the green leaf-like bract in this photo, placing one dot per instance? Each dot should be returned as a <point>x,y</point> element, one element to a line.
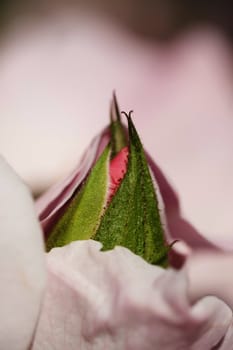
<point>82,217</point>
<point>132,219</point>
<point>118,137</point>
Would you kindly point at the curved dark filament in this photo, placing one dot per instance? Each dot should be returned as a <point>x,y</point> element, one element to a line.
<point>128,116</point>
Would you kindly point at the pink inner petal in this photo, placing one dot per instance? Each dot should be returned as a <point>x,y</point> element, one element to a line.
<point>118,168</point>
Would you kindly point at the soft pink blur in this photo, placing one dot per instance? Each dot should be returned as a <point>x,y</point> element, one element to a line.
<point>56,83</point>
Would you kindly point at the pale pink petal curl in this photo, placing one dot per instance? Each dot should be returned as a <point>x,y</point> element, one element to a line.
<point>115,300</point>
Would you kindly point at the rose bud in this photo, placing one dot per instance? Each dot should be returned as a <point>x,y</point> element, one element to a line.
<point>113,197</point>
<point>118,298</point>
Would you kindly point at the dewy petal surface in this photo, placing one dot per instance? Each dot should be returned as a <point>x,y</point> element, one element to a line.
<point>115,300</point>
<point>22,266</point>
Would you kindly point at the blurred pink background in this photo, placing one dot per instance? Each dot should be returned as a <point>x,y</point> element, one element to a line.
<point>57,77</point>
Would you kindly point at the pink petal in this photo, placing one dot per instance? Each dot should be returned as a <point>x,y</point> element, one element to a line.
<point>211,274</point>
<point>228,339</point>
<point>115,300</point>
<point>177,227</point>
<point>118,168</point>
<point>22,267</point>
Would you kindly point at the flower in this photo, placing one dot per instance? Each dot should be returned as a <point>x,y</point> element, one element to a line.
<point>114,299</point>
<point>110,299</point>
<point>181,93</point>
<point>54,202</point>
<point>116,202</point>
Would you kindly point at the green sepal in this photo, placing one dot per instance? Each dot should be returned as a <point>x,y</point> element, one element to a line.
<point>132,219</point>
<point>82,217</point>
<point>118,134</point>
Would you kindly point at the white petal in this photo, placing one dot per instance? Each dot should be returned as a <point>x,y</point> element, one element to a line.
<point>22,267</point>
<point>115,300</point>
